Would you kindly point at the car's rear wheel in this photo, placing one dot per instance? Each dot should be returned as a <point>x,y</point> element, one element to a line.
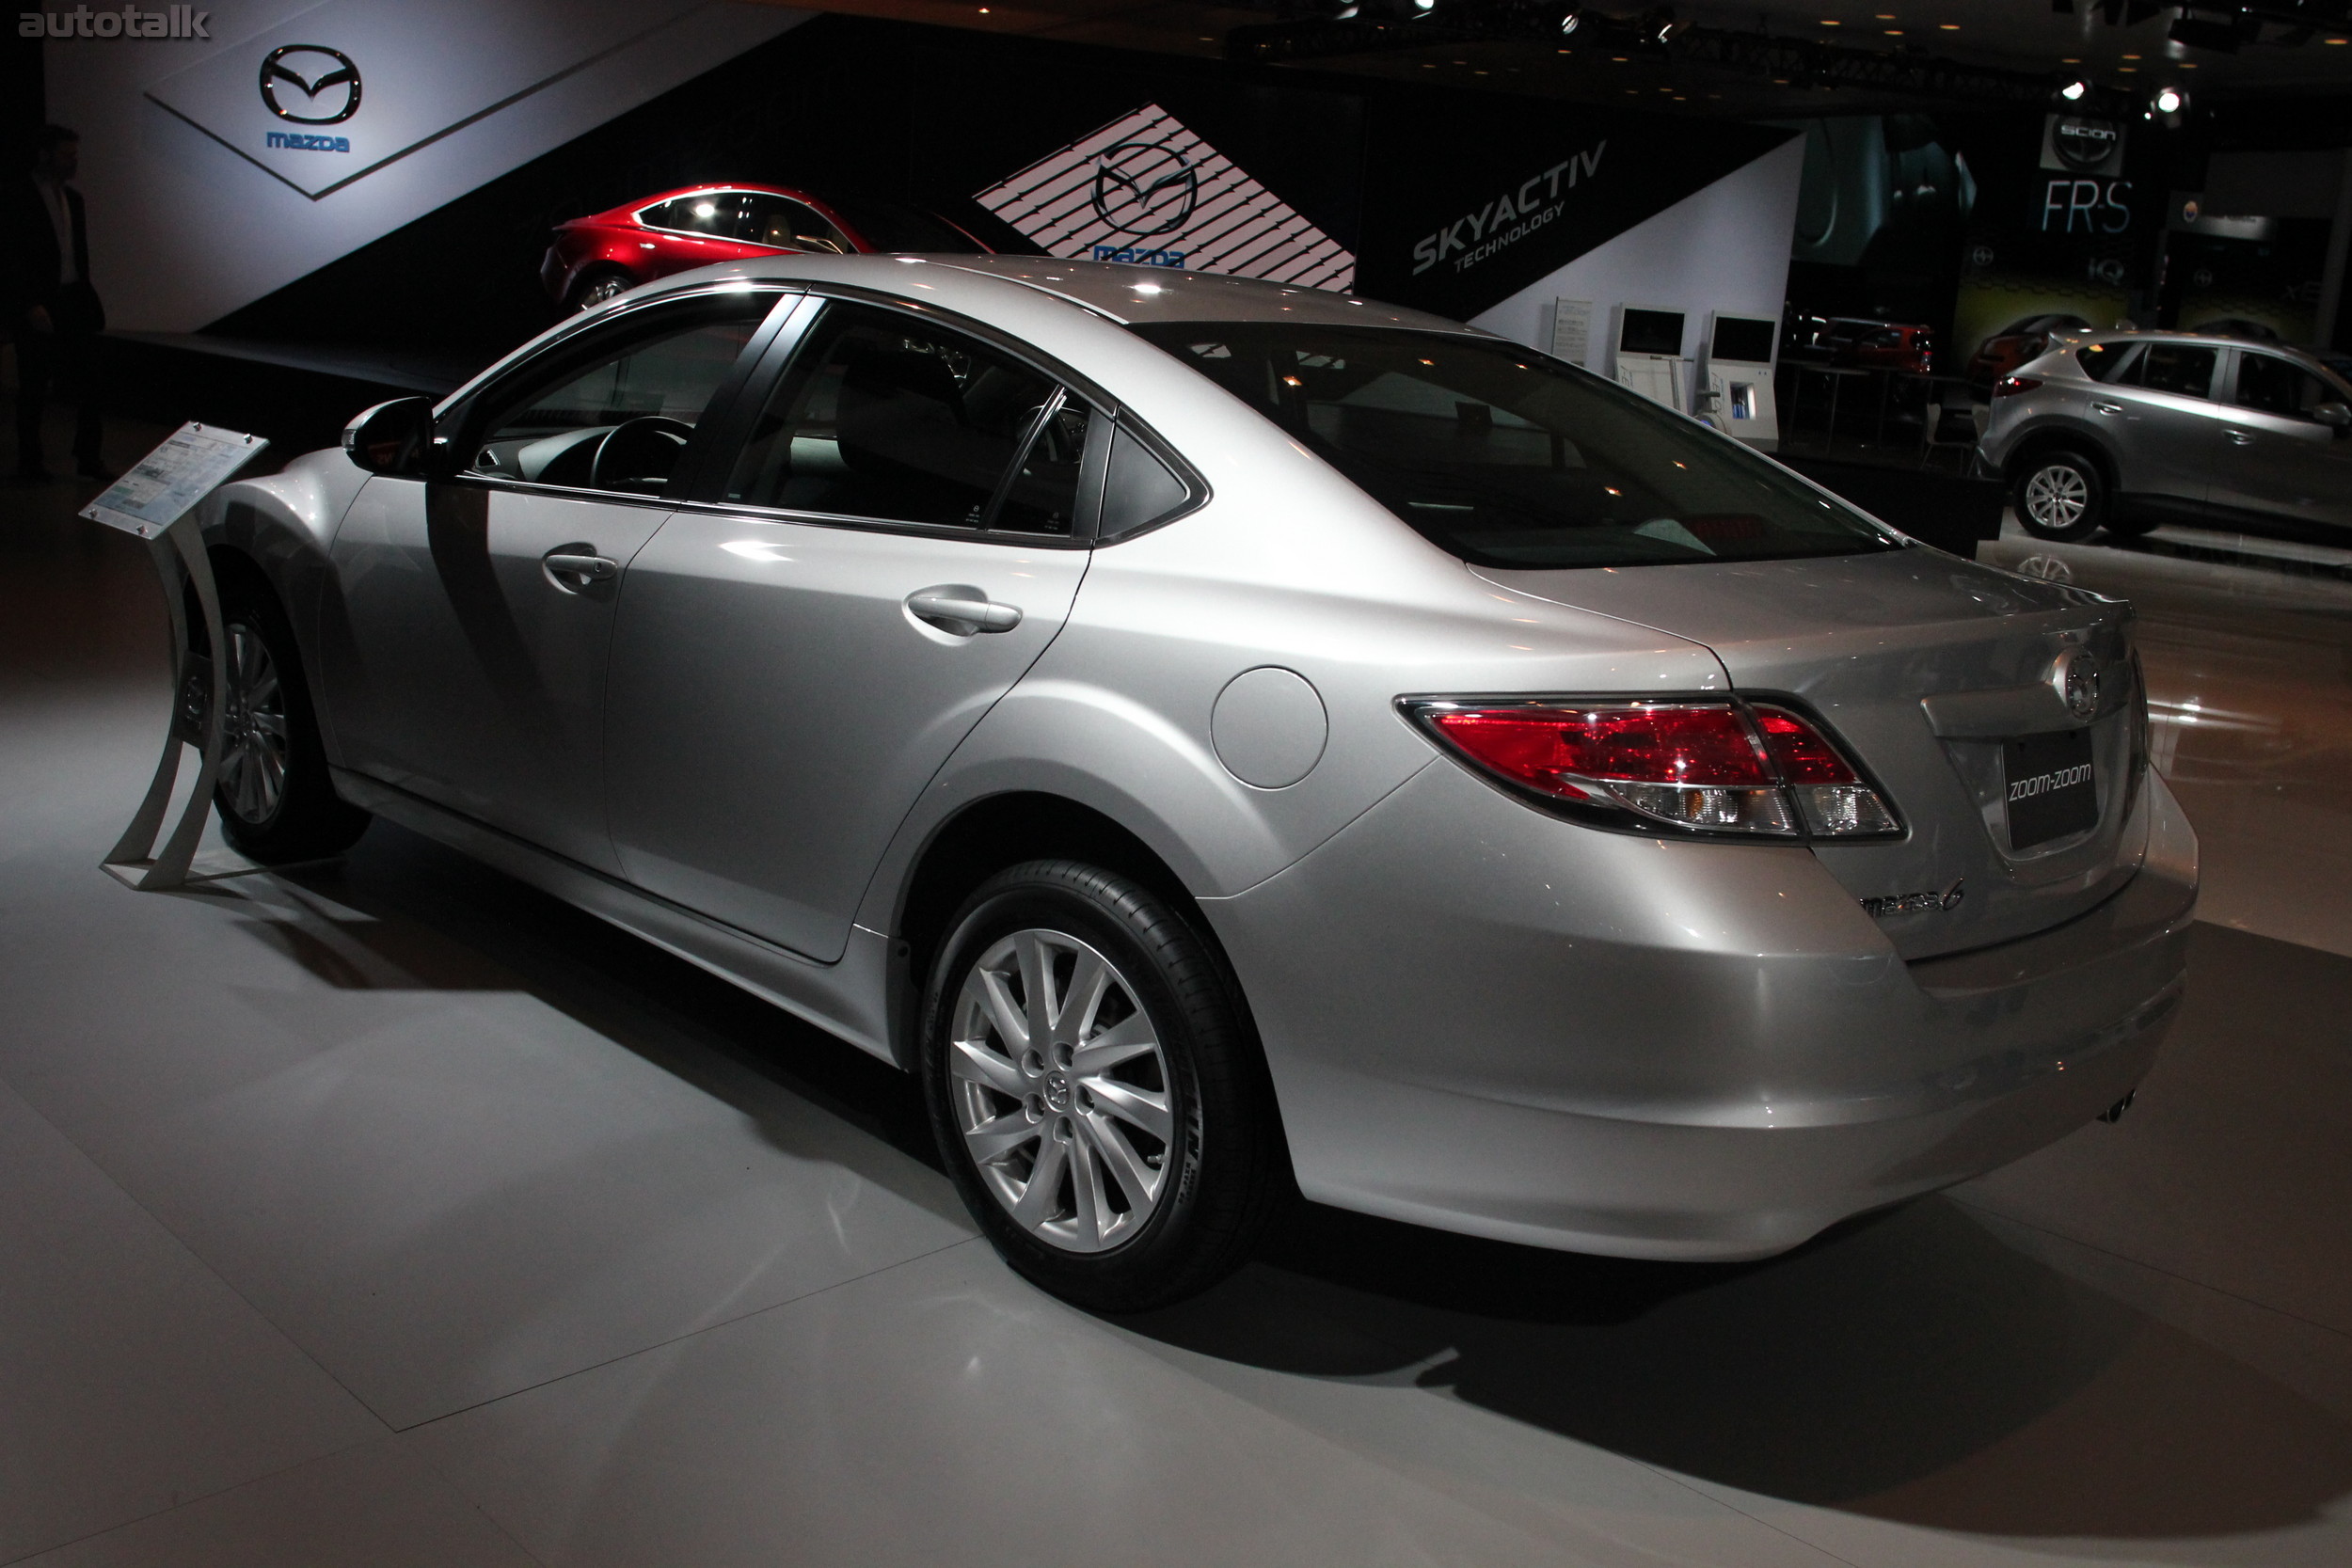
<point>275,798</point>
<point>1096,1089</point>
<point>598,287</point>
<point>2061,496</point>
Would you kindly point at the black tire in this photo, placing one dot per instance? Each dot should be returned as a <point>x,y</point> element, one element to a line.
<point>272,729</point>
<point>2060,496</point>
<point>1219,1174</point>
<point>596,286</point>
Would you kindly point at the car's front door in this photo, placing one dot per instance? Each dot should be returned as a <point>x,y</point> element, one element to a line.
<point>2278,460</point>
<point>2160,418</point>
<point>477,606</point>
<point>898,539</point>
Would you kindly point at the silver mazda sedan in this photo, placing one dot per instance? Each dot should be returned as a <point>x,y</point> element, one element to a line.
<point>1224,735</point>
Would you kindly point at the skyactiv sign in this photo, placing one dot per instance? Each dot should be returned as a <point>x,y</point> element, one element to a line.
<point>1503,221</point>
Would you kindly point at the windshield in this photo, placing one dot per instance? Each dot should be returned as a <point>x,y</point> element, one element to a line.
<point>895,226</point>
<point>1506,458</point>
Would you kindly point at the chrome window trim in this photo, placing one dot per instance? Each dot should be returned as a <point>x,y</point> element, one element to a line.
<point>745,512</point>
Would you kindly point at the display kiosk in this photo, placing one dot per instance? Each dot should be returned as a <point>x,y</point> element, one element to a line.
<point>1737,397</point>
<point>1649,356</point>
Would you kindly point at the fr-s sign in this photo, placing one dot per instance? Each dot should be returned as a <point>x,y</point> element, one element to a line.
<point>2086,206</point>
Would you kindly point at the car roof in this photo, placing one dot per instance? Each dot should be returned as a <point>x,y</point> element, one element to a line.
<point>1125,293</point>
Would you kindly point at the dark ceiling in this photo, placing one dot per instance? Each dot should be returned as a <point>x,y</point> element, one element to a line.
<point>1767,58</point>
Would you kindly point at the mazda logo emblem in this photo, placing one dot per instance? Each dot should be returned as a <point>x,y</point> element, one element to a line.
<point>311,84</point>
<point>2083,144</point>
<point>1143,187</point>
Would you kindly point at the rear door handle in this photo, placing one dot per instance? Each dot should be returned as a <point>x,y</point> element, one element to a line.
<point>572,567</point>
<point>2240,437</point>
<point>961,611</point>
<point>2106,409</point>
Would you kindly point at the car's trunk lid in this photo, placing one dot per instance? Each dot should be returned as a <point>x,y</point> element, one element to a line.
<point>1925,668</point>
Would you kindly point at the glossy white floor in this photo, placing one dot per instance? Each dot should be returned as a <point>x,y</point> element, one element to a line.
<point>392,1214</point>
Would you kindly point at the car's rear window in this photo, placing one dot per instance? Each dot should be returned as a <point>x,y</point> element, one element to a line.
<point>1508,458</point>
<point>896,226</point>
<point>2102,361</point>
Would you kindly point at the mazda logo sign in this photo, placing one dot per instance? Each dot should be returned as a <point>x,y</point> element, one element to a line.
<point>311,84</point>
<point>2083,144</point>
<point>1145,187</point>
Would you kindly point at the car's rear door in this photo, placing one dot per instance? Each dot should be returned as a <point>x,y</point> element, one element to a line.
<point>2160,418</point>
<point>896,539</point>
<point>476,609</point>
<point>2277,460</point>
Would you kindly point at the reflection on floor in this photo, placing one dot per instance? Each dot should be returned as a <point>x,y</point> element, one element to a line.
<point>389,1213</point>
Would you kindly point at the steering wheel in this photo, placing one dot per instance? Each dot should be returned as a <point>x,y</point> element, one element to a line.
<point>639,453</point>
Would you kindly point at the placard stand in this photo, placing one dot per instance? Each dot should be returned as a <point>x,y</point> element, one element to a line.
<point>156,503</point>
<point>182,566</point>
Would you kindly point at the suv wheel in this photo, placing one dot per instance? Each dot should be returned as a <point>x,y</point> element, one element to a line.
<point>275,798</point>
<point>1095,1088</point>
<point>2061,496</point>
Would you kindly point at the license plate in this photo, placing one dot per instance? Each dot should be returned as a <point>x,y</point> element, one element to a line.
<point>2049,786</point>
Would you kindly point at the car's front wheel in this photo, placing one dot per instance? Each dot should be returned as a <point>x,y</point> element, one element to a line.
<point>275,798</point>
<point>2061,496</point>
<point>1096,1089</point>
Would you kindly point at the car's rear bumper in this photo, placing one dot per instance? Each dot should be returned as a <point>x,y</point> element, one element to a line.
<point>1667,1049</point>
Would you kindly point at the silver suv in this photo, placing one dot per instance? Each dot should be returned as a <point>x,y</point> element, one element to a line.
<point>2124,431</point>
<point>1219,734</point>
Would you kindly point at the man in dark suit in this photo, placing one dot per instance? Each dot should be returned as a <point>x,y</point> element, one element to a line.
<point>51,308</point>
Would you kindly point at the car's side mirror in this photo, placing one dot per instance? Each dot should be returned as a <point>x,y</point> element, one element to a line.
<point>2337,416</point>
<point>393,437</point>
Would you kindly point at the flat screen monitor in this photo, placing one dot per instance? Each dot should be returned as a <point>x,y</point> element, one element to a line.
<point>1650,332</point>
<point>1745,338</point>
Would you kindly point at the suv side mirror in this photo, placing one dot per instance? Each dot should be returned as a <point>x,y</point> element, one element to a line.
<point>393,437</point>
<point>2335,415</point>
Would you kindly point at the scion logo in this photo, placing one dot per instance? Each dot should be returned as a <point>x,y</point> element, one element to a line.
<point>311,84</point>
<point>2085,144</point>
<point>1145,188</point>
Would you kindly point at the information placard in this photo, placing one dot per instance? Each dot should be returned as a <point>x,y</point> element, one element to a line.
<point>1571,329</point>
<point>163,486</point>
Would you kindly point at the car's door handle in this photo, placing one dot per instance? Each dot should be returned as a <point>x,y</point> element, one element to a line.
<point>961,611</point>
<point>2106,409</point>
<point>572,567</point>
<point>2240,437</point>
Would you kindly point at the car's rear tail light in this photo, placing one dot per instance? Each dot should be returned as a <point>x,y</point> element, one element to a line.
<point>2010,385</point>
<point>1715,766</point>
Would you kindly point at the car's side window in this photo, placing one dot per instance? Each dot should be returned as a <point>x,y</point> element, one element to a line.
<point>2110,362</point>
<point>1141,490</point>
<point>886,416</point>
<point>2277,386</point>
<point>618,412</point>
<point>780,221</point>
<point>714,214</point>
<point>2183,369</point>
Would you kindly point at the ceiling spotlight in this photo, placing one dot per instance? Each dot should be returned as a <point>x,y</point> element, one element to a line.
<point>1425,6</point>
<point>1569,23</point>
<point>2074,91</point>
<point>2169,101</point>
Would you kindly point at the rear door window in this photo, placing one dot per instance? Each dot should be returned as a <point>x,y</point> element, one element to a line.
<point>714,214</point>
<point>2181,368</point>
<point>888,417</point>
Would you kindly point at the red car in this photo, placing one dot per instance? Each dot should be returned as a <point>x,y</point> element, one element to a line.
<point>1886,347</point>
<point>597,257</point>
<point>2015,343</point>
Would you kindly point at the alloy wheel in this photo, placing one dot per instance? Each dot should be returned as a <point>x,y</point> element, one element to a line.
<point>253,765</point>
<point>601,289</point>
<point>2056,496</point>
<point>1059,1086</point>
